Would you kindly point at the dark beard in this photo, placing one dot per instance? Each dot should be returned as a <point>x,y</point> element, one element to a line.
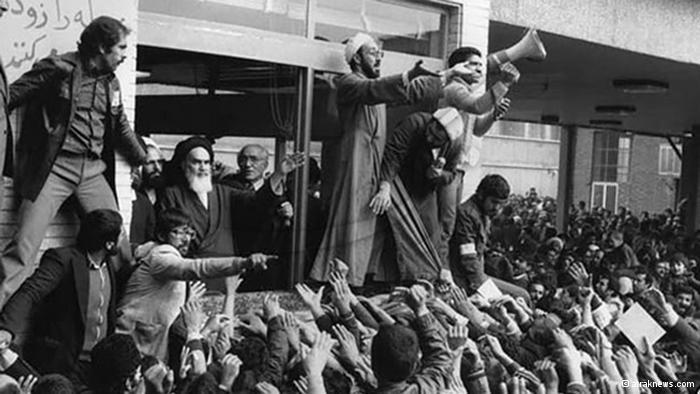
<point>153,182</point>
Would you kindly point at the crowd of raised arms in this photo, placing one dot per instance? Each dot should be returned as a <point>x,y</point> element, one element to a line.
<point>407,288</point>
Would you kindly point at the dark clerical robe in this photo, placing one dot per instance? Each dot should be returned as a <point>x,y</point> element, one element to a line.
<point>217,227</point>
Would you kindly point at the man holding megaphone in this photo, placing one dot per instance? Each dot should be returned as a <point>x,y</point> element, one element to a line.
<point>479,112</point>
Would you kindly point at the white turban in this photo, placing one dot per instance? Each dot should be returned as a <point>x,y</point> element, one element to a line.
<point>451,120</point>
<point>355,43</point>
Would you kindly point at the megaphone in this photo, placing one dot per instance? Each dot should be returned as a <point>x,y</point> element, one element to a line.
<point>530,47</point>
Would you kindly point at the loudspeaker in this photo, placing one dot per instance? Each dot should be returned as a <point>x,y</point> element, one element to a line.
<point>530,47</point>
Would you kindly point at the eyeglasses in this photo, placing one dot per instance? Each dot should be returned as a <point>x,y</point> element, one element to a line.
<point>183,232</point>
<point>154,162</point>
<point>375,53</point>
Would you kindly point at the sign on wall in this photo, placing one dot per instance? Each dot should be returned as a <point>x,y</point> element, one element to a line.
<point>34,29</point>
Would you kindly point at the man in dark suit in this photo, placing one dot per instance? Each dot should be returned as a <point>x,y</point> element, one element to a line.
<point>68,304</point>
<point>74,120</point>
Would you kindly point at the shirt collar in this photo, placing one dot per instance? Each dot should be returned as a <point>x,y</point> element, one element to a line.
<point>94,265</point>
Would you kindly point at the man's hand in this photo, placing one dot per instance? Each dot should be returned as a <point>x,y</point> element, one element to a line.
<point>382,200</point>
<point>266,388</point>
<point>460,70</point>
<point>311,299</point>
<point>193,316</point>
<point>579,273</point>
<point>254,324</point>
<point>626,363</point>
<point>159,378</point>
<point>416,300</point>
<point>222,345</point>
<point>509,74</point>
<point>418,71</point>
<point>435,170</point>
<point>5,339</point>
<point>347,351</point>
<point>26,383</point>
<point>233,283</point>
<point>341,294</point>
<point>501,108</point>
<point>316,360</point>
<point>290,163</point>
<point>271,306</point>
<point>285,210</point>
<point>291,327</point>
<point>457,338</point>
<point>259,260</point>
<point>546,369</point>
<point>197,290</point>
<point>230,367</point>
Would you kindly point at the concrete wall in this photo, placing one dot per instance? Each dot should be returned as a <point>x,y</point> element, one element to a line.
<point>663,28</point>
<point>524,163</point>
<point>646,189</point>
<point>583,158</point>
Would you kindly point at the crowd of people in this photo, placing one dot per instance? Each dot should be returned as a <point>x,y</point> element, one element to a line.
<point>486,295</point>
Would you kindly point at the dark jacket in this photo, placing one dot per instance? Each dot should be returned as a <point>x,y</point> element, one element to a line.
<point>49,91</point>
<point>5,127</point>
<point>436,362</point>
<point>49,310</point>
<point>468,245</point>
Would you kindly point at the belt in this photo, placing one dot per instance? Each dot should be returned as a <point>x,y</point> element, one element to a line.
<point>90,155</point>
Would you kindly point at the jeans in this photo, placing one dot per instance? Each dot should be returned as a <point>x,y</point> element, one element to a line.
<point>70,175</point>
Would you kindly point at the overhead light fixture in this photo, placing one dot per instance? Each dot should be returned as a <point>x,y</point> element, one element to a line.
<point>605,122</point>
<point>549,119</point>
<point>621,110</point>
<point>641,86</point>
<point>688,134</point>
<point>142,74</point>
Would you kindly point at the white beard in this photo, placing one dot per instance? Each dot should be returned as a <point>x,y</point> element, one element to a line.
<point>200,184</point>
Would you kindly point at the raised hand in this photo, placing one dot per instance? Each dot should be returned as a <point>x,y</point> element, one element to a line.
<point>418,70</point>
<point>233,283</point>
<point>501,108</point>
<point>222,345</point>
<point>546,369</point>
<point>193,316</point>
<point>417,298</point>
<point>197,290</point>
<point>271,306</point>
<point>230,368</point>
<point>347,350</point>
<point>159,378</point>
<point>578,272</point>
<point>266,388</point>
<point>315,361</point>
<point>291,327</point>
<point>509,74</point>
<point>457,337</point>
<point>341,293</point>
<point>311,300</point>
<point>254,324</point>
<point>290,163</point>
<point>26,383</point>
<point>626,362</point>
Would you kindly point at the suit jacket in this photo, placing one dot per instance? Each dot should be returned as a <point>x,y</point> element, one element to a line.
<point>50,309</point>
<point>49,90</point>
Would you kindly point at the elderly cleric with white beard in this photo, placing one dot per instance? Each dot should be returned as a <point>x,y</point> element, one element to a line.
<point>214,208</point>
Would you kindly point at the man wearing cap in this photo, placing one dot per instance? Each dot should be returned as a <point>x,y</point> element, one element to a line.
<point>412,153</point>
<point>361,95</point>
<point>217,211</point>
